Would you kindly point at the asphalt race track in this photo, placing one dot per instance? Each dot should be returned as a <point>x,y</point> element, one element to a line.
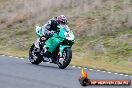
<point>19,73</point>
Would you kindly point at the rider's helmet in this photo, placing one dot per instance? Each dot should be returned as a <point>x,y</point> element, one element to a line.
<point>62,19</point>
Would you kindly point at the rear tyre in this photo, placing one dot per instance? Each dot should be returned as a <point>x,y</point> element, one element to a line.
<point>67,55</point>
<point>34,55</point>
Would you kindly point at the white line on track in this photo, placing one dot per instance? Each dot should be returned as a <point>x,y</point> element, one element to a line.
<point>115,73</point>
<point>103,71</point>
<point>98,70</point>
<point>121,74</point>
<point>126,75</point>
<point>85,68</point>
<point>79,67</point>
<point>2,55</point>
<point>10,56</point>
<point>109,72</point>
<point>73,66</point>
<point>22,58</point>
<point>91,69</point>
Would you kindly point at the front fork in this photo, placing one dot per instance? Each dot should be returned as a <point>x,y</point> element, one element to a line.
<point>62,48</point>
<point>36,43</point>
<point>39,43</point>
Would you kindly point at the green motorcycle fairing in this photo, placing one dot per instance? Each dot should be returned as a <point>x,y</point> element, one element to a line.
<point>62,47</point>
<point>57,39</point>
<point>52,43</point>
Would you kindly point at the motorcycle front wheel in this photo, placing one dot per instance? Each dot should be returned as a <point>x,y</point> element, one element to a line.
<point>66,55</point>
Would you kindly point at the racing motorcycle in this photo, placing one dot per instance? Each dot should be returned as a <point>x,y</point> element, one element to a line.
<point>58,48</point>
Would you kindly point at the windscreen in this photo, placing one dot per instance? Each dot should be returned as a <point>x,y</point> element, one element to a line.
<point>66,28</point>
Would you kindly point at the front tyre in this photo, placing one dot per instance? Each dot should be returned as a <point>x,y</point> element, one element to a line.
<point>66,55</point>
<point>33,55</point>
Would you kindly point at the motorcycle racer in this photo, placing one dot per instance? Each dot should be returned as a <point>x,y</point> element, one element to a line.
<point>49,28</point>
